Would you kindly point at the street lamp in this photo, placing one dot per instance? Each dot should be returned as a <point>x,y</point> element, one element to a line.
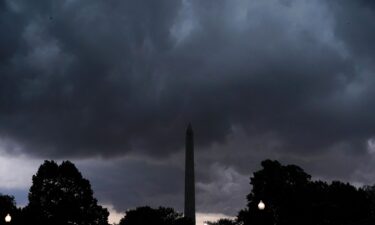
<point>261,205</point>
<point>8,218</point>
<point>271,209</point>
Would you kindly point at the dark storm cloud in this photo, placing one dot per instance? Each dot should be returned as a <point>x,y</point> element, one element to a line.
<point>83,82</point>
<point>355,26</point>
<point>108,77</point>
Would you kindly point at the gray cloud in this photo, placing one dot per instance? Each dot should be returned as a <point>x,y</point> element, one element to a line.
<point>128,183</point>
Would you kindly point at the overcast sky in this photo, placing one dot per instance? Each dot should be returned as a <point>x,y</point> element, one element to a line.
<point>112,84</point>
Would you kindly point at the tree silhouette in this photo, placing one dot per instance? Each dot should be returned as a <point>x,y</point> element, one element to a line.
<point>223,221</point>
<point>60,195</point>
<point>370,194</point>
<point>346,203</point>
<point>8,206</point>
<point>282,189</point>
<point>161,216</point>
<point>292,198</point>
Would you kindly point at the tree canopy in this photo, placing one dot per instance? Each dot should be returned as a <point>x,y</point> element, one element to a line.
<point>60,195</point>
<point>292,198</point>
<point>8,206</point>
<point>223,221</point>
<point>146,216</point>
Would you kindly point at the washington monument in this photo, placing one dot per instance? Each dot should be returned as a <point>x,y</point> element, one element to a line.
<point>189,175</point>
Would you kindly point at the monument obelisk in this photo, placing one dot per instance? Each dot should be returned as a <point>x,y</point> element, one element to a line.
<point>189,211</point>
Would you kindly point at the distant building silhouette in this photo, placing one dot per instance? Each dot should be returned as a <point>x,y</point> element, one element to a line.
<point>189,211</point>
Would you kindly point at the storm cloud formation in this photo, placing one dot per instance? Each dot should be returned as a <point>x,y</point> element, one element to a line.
<point>285,79</point>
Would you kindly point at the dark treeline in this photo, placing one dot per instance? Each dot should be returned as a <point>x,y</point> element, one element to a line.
<point>59,195</point>
<point>291,197</point>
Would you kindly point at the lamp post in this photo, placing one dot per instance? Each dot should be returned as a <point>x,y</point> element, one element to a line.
<point>261,205</point>
<point>8,218</point>
<point>270,208</point>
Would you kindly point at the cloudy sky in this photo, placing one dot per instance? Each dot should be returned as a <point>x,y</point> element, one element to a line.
<point>112,84</point>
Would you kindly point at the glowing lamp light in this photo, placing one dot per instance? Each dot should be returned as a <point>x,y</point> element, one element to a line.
<point>8,218</point>
<point>261,205</point>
